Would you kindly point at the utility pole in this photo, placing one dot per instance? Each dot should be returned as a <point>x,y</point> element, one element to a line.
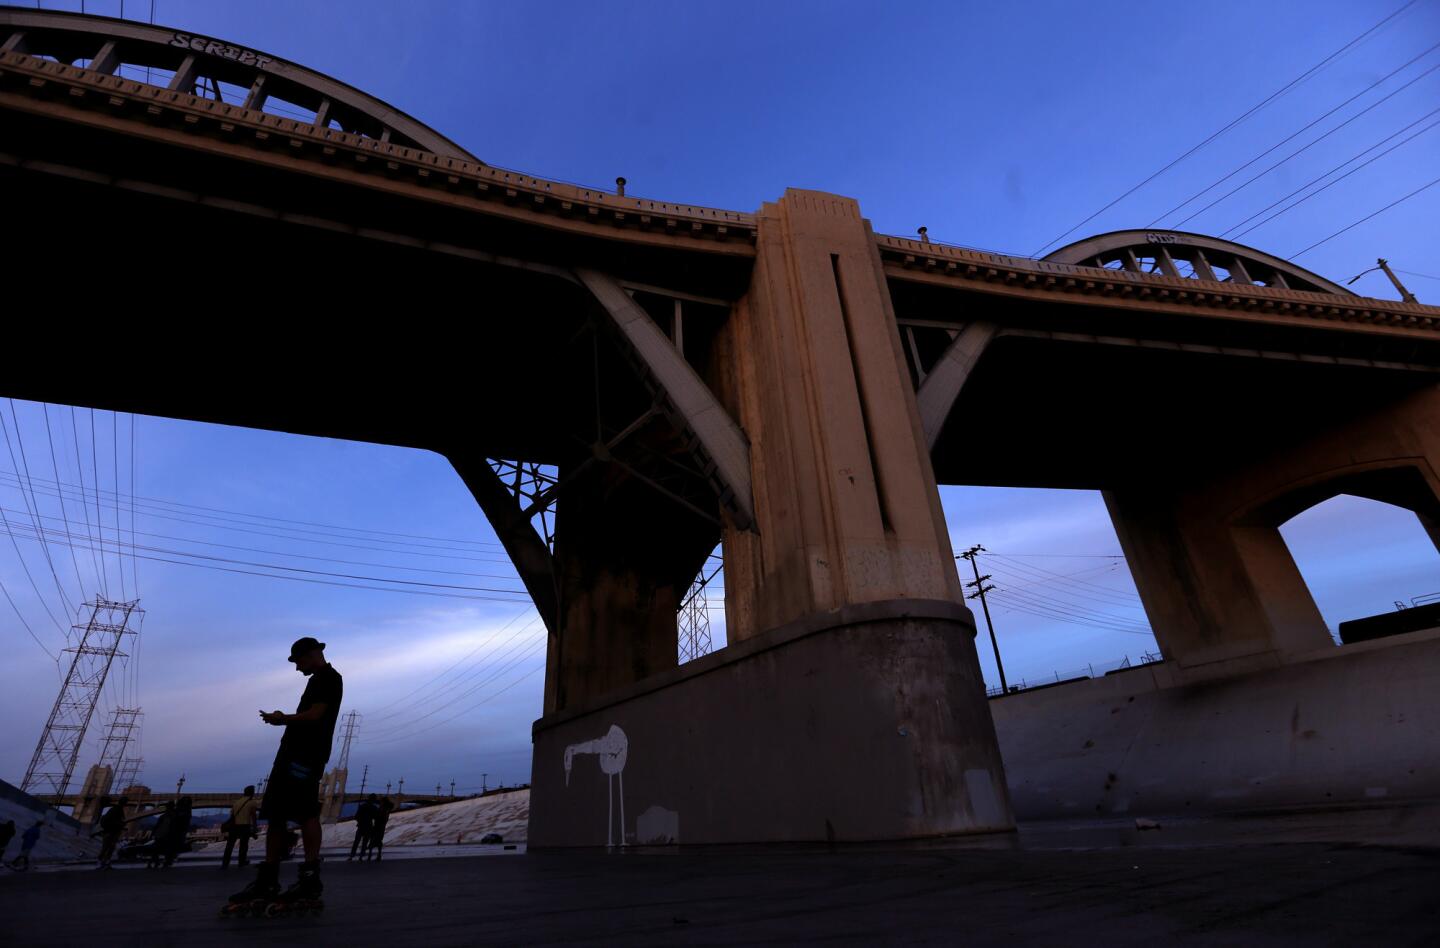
<point>350,722</point>
<point>178,784</point>
<point>363,774</point>
<point>483,785</point>
<point>387,788</point>
<point>452,786</point>
<point>1405,294</point>
<point>980,590</point>
<point>1383,264</point>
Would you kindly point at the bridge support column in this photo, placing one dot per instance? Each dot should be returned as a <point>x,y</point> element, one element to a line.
<point>332,795</point>
<point>849,703</point>
<point>624,554</point>
<point>1212,569</point>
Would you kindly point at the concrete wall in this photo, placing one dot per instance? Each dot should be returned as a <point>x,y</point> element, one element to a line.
<point>861,724</point>
<point>1340,725</point>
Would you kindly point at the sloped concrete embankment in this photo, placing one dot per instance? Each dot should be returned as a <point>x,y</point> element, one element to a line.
<point>464,821</point>
<point>62,839</point>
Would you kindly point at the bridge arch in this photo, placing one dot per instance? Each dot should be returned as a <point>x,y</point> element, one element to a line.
<point>201,65</point>
<point>1179,253</point>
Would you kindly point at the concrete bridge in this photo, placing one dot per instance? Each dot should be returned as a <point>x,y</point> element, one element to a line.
<point>198,801</point>
<point>784,382</point>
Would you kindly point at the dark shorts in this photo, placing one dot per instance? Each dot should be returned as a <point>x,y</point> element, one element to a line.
<point>292,794</point>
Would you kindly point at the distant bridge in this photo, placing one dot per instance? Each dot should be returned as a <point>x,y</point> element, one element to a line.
<point>216,801</point>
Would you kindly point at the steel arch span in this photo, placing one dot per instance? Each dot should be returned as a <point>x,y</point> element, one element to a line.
<point>178,61</point>
<point>1177,253</point>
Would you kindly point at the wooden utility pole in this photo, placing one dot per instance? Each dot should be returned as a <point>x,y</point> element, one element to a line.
<point>980,590</point>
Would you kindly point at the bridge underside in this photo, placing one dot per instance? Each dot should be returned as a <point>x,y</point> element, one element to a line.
<point>246,271</point>
<point>1040,413</point>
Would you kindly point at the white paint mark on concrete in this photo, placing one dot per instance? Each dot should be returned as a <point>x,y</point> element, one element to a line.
<point>984,801</point>
<point>613,749</point>
<point>658,826</point>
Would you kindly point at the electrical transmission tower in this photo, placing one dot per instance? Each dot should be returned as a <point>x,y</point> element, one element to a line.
<point>694,615</point>
<point>99,646</point>
<point>128,774</point>
<point>350,722</point>
<point>123,722</point>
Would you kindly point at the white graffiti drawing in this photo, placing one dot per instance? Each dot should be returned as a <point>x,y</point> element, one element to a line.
<point>612,749</point>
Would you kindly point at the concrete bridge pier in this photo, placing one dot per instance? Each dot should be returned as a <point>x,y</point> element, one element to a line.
<point>849,704</point>
<point>1217,580</point>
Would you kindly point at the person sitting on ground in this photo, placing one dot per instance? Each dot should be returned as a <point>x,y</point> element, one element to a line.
<point>240,827</point>
<point>364,824</point>
<point>112,825</point>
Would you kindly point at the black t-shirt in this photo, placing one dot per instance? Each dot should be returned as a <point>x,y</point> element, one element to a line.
<point>308,742</point>
<point>114,819</point>
<point>365,815</point>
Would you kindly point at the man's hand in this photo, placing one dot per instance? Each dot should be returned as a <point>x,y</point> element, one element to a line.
<point>273,717</point>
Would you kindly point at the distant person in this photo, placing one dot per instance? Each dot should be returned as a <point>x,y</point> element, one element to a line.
<point>27,843</point>
<point>364,825</point>
<point>377,832</point>
<point>7,833</point>
<point>178,831</point>
<point>292,794</point>
<point>112,825</point>
<point>240,827</point>
<point>160,835</point>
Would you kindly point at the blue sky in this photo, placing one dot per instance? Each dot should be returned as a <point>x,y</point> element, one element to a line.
<point>998,126</point>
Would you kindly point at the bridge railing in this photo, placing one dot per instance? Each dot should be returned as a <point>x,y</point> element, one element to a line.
<point>1073,674</point>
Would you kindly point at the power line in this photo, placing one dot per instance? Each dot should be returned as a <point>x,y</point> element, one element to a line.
<point>1020,604</point>
<point>376,713</point>
<point>120,545</point>
<point>134,571</point>
<point>207,511</point>
<point>1423,276</point>
<point>99,524</point>
<point>490,558</point>
<point>1306,147</point>
<point>84,499</point>
<point>303,579</point>
<point>1232,124</point>
<point>115,465</point>
<point>32,502</point>
<point>1070,607</point>
<point>306,556</point>
<point>55,465</point>
<point>10,599</point>
<point>501,654</point>
<point>1347,174</point>
<point>486,700</point>
<point>500,657</point>
<point>1295,134</point>
<point>1070,579</point>
<point>44,604</point>
<point>1423,187</point>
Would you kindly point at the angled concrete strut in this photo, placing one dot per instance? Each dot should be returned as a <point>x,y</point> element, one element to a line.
<point>725,454</point>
